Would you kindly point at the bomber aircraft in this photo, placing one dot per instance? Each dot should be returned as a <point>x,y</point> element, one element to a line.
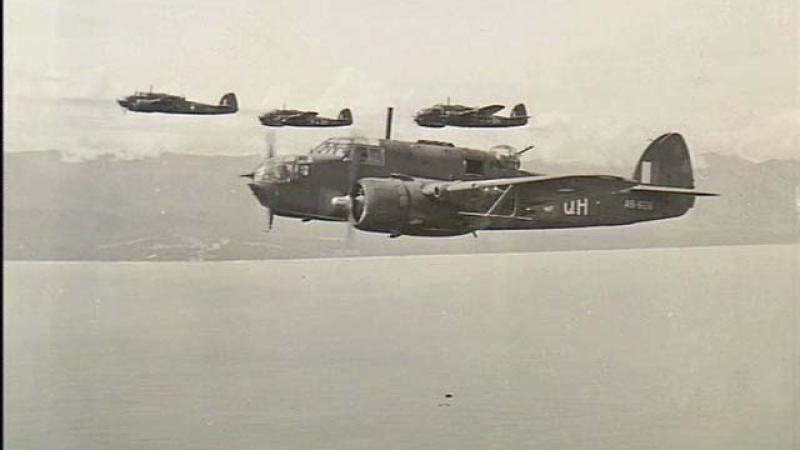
<point>295,118</point>
<point>439,116</point>
<point>174,104</point>
<point>431,188</point>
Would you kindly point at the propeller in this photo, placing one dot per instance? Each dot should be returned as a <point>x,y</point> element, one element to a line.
<point>270,137</point>
<point>352,177</point>
<point>270,219</point>
<point>270,144</point>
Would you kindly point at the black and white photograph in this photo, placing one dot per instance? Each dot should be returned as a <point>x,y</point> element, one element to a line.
<point>358,225</point>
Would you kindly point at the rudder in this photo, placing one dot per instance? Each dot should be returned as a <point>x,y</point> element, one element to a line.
<point>346,115</point>
<point>666,162</point>
<point>229,100</point>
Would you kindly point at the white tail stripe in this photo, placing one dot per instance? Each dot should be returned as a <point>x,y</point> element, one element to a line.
<point>647,172</point>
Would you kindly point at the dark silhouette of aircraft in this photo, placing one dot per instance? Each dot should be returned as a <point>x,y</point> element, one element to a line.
<point>439,116</point>
<point>295,118</point>
<point>174,104</point>
<point>431,188</point>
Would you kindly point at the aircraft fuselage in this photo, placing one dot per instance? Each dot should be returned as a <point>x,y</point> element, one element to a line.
<point>472,121</point>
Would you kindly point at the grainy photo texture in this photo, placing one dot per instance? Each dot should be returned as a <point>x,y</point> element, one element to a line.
<point>402,225</point>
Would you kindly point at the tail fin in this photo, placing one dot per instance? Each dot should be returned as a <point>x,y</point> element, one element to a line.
<point>345,114</point>
<point>666,162</point>
<point>519,111</point>
<point>229,99</point>
<point>665,165</point>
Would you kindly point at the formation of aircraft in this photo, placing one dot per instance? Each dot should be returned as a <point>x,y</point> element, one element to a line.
<point>432,188</point>
<point>160,102</point>
<point>439,116</point>
<point>295,118</point>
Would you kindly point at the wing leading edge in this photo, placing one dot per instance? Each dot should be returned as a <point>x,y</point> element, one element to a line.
<point>551,187</point>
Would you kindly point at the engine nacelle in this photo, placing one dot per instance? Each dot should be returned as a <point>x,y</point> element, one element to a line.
<point>398,206</point>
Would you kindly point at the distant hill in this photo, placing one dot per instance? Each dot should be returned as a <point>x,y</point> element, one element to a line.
<point>188,207</point>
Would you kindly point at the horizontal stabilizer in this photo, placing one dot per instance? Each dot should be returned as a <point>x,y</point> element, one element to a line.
<point>305,115</point>
<point>671,190</point>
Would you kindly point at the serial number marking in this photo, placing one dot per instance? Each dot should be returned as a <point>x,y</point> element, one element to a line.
<point>642,205</point>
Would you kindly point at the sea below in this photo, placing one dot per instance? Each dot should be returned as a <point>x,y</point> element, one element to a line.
<point>681,348</point>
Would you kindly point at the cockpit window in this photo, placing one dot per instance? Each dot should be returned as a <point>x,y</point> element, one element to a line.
<point>339,144</point>
<point>284,169</point>
<point>375,156</point>
<point>473,166</point>
<point>368,151</point>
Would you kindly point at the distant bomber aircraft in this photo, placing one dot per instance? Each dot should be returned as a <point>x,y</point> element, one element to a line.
<point>295,118</point>
<point>174,104</point>
<point>439,116</point>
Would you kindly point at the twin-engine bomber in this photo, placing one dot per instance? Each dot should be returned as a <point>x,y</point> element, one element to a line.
<point>431,188</point>
<point>439,116</point>
<point>295,118</point>
<point>159,102</point>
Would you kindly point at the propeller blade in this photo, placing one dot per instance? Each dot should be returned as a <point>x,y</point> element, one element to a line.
<point>270,219</point>
<point>270,144</point>
<point>349,237</point>
<point>250,175</point>
<point>352,177</point>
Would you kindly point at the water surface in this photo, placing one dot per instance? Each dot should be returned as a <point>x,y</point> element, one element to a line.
<point>658,349</point>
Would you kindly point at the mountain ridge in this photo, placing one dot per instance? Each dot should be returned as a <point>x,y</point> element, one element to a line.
<point>178,206</point>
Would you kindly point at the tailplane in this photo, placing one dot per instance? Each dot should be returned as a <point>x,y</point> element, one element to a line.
<point>346,115</point>
<point>229,100</point>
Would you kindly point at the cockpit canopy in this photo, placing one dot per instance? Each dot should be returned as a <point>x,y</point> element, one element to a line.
<point>441,110</point>
<point>340,146</point>
<point>280,113</point>
<point>283,169</point>
<point>434,111</point>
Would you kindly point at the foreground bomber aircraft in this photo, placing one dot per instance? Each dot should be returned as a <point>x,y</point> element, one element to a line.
<point>295,118</point>
<point>439,116</point>
<point>174,104</point>
<point>430,188</point>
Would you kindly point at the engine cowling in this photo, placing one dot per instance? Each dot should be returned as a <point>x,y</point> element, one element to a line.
<point>399,206</point>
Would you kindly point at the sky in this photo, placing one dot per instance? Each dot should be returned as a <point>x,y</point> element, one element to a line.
<point>723,71</point>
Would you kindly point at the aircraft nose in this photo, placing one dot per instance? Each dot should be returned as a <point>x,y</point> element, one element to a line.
<point>265,192</point>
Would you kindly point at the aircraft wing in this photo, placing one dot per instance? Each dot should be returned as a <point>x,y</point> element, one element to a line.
<point>482,111</point>
<point>489,110</point>
<point>544,186</point>
<point>303,115</point>
<point>538,189</point>
<point>151,101</point>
